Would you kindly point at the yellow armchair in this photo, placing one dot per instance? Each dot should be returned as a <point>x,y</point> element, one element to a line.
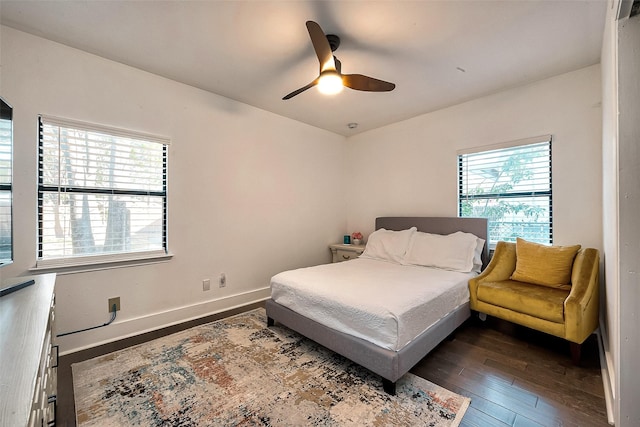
<point>570,313</point>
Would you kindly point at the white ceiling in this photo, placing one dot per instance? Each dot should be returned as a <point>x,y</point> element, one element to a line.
<point>438,53</point>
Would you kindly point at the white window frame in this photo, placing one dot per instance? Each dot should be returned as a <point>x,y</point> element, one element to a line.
<point>109,260</point>
<point>532,194</point>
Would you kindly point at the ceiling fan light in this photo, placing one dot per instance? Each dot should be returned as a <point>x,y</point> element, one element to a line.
<point>330,83</point>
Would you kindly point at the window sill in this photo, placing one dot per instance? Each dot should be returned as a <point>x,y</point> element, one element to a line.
<point>70,268</point>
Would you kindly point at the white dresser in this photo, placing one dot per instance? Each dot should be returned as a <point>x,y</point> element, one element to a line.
<point>28,359</point>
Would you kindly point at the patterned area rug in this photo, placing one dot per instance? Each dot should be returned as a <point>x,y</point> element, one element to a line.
<point>236,371</point>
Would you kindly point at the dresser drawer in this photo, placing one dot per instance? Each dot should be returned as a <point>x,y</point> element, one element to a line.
<point>342,252</point>
<point>342,255</point>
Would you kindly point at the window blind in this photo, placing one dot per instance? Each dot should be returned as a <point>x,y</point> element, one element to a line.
<point>512,187</point>
<point>102,194</point>
<point>6,153</point>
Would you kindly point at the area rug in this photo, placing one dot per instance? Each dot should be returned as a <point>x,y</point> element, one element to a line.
<point>236,371</point>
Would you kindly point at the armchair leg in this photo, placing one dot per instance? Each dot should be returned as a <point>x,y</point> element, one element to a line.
<point>576,350</point>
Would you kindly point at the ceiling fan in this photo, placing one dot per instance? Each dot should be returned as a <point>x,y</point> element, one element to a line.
<point>331,80</point>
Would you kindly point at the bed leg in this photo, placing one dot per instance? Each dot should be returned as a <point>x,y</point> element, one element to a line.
<point>389,387</point>
<point>270,321</point>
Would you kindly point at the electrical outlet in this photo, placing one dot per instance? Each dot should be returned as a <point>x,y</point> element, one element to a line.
<point>206,284</point>
<point>115,301</point>
<point>223,280</point>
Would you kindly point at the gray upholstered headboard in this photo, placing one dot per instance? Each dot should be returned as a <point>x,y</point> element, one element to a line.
<point>440,225</point>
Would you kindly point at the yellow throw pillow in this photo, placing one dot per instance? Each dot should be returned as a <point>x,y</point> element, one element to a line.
<point>544,265</point>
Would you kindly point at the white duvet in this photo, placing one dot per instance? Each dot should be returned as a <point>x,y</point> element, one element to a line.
<point>382,302</point>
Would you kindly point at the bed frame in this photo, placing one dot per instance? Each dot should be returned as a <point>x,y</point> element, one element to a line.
<point>389,364</point>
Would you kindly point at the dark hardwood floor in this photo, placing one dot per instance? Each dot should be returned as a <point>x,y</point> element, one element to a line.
<point>518,377</point>
<point>514,376</point>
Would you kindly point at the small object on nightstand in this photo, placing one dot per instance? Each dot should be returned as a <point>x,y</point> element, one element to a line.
<point>356,238</point>
<point>346,239</point>
<point>342,252</point>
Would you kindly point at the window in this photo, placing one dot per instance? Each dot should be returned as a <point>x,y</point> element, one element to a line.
<point>6,155</point>
<point>511,186</point>
<point>102,194</point>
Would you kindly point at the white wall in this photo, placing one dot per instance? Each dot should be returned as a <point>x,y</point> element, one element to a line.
<point>609,312</point>
<point>628,239</point>
<point>621,176</point>
<point>250,193</point>
<point>410,168</point>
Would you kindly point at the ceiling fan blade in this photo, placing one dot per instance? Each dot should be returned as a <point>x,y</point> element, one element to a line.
<point>338,65</point>
<point>302,89</point>
<point>321,46</point>
<point>360,82</point>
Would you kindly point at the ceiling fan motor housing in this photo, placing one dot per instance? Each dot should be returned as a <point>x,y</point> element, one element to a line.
<point>334,41</point>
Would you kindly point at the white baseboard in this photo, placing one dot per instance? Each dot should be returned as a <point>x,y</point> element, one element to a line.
<point>606,367</point>
<point>154,321</point>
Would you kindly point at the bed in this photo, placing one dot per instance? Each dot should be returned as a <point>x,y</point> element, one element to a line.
<point>357,327</point>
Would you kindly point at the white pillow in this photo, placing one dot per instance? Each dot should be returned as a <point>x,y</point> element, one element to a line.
<point>454,252</point>
<point>477,258</point>
<point>388,245</point>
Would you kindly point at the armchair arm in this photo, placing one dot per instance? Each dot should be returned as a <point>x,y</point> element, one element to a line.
<point>582,305</point>
<point>501,266</point>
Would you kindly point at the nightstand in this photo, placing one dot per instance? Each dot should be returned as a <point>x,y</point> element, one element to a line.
<point>343,252</point>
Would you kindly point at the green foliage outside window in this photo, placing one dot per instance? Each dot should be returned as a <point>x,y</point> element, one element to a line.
<point>512,188</point>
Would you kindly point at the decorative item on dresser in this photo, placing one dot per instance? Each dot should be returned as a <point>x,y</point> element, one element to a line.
<point>343,252</point>
<point>29,358</point>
